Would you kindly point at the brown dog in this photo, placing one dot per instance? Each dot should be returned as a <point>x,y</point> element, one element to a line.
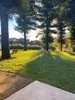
<point>15,51</point>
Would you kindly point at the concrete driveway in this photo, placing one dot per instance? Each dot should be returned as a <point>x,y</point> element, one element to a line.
<point>41,91</point>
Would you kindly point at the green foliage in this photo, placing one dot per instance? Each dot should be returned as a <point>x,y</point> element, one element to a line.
<point>72,35</point>
<point>24,18</point>
<point>55,45</point>
<point>12,6</point>
<point>52,48</point>
<point>29,47</point>
<point>46,15</point>
<point>24,21</point>
<point>17,46</point>
<point>69,15</point>
<point>7,8</point>
<point>70,11</point>
<point>33,47</point>
<point>73,48</point>
<point>43,40</point>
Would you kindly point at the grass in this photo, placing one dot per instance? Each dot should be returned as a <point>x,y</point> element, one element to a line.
<point>56,68</point>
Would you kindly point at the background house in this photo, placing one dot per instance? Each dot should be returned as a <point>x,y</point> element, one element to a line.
<point>12,40</point>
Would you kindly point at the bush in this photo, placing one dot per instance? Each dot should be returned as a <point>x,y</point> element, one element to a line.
<point>74,49</point>
<point>33,47</point>
<point>16,46</point>
<point>52,48</point>
<point>29,47</point>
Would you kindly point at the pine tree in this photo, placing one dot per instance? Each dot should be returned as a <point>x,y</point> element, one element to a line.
<point>24,25</point>
<point>70,19</point>
<point>8,7</point>
<point>46,13</point>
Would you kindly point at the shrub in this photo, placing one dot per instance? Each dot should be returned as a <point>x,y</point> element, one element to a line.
<point>52,48</point>
<point>34,47</point>
<point>74,49</point>
<point>29,47</point>
<point>16,46</point>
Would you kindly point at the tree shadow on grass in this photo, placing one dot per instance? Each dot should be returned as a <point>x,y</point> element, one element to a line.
<point>37,54</point>
<point>7,59</point>
<point>71,53</point>
<point>52,70</point>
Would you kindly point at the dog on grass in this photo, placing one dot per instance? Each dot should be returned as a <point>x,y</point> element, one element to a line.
<point>14,51</point>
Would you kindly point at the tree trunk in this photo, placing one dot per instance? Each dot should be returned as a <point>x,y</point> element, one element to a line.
<point>61,45</point>
<point>25,42</point>
<point>47,37</point>
<point>47,32</point>
<point>5,37</point>
<point>61,34</point>
<point>73,35</point>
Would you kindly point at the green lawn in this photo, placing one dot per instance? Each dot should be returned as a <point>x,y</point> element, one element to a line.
<point>56,68</point>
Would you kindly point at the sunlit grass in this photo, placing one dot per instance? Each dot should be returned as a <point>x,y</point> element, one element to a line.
<point>18,60</point>
<point>64,55</point>
<point>56,68</point>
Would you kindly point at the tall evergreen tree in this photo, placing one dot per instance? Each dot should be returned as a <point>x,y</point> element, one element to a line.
<point>24,25</point>
<point>61,21</point>
<point>24,21</point>
<point>70,19</point>
<point>8,7</point>
<point>46,13</point>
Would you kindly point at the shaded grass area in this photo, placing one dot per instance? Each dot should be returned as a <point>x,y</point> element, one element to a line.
<point>56,68</point>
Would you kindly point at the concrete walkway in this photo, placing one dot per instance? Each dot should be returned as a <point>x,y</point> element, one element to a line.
<point>41,91</point>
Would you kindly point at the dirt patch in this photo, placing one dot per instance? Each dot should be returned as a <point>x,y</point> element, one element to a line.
<point>10,83</point>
